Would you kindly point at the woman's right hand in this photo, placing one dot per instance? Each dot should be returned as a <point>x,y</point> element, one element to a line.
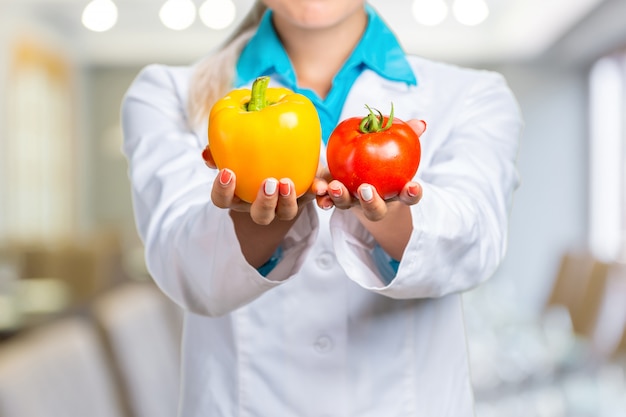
<point>276,198</point>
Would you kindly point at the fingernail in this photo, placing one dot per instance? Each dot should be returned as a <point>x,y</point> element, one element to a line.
<point>205,154</point>
<point>226,176</point>
<point>270,186</point>
<point>284,188</point>
<point>367,194</point>
<point>327,205</point>
<point>413,190</point>
<point>335,192</point>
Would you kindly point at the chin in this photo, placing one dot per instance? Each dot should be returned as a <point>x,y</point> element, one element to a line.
<point>315,14</point>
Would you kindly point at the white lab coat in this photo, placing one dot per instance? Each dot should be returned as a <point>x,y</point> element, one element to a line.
<point>322,335</point>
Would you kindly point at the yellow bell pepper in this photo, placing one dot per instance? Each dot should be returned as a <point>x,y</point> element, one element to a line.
<point>265,132</point>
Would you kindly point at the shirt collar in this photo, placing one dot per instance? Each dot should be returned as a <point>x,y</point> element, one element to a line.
<point>378,50</point>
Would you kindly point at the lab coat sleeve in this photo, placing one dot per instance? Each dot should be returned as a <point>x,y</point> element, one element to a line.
<point>191,247</point>
<point>460,225</point>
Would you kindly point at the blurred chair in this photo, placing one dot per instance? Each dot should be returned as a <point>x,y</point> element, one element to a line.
<point>621,347</point>
<point>593,292</point>
<point>573,281</point>
<point>609,331</point>
<point>142,330</point>
<point>586,315</point>
<point>57,370</point>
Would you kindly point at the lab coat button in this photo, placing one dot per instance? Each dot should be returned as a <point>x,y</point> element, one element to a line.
<point>323,344</point>
<point>325,260</point>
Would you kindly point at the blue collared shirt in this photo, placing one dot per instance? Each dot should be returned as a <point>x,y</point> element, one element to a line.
<point>378,50</point>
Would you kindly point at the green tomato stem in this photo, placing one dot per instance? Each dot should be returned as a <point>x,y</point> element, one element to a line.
<point>257,94</point>
<point>373,123</point>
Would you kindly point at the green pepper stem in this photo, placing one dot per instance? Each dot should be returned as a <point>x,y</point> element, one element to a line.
<point>257,95</point>
<point>373,123</point>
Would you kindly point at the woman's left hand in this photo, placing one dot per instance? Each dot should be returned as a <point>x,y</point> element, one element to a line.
<point>335,194</point>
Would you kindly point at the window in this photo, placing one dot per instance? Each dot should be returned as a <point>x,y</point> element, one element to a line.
<point>38,160</point>
<point>607,159</point>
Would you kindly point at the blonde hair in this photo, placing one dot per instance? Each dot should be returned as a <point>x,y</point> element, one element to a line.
<point>213,75</point>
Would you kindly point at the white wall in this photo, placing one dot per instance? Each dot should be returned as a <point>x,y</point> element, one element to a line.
<point>108,194</point>
<point>549,215</point>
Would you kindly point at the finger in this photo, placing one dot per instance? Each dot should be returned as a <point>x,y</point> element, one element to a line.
<point>419,126</point>
<point>340,195</point>
<point>263,209</point>
<point>411,193</point>
<point>223,192</point>
<point>324,202</point>
<point>208,157</point>
<point>287,207</point>
<point>374,207</point>
<point>319,187</point>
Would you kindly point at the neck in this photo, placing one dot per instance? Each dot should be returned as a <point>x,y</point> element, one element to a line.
<point>318,54</point>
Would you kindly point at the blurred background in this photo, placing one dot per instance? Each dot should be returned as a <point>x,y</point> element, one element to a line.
<point>79,313</point>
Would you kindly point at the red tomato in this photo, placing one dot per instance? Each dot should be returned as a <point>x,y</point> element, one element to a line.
<point>382,151</point>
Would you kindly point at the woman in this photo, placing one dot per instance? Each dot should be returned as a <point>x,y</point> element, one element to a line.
<point>342,306</point>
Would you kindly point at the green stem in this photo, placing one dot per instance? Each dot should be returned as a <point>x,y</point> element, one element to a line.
<point>373,123</point>
<point>257,97</point>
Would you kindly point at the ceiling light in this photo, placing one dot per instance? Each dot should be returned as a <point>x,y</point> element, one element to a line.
<point>178,14</point>
<point>100,15</point>
<point>218,14</point>
<point>430,12</point>
<point>470,12</point>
